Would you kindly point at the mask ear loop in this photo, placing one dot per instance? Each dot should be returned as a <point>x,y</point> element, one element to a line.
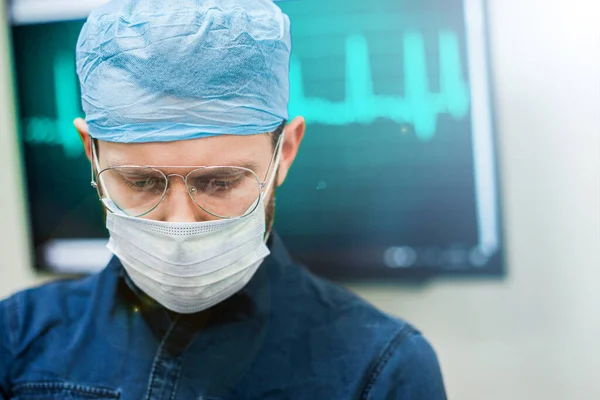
<point>275,164</point>
<point>273,175</point>
<point>106,201</point>
<point>94,162</point>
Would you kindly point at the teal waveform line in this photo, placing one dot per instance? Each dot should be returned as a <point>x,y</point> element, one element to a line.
<point>419,107</point>
<point>59,130</point>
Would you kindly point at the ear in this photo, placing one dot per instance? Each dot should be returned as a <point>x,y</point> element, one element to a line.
<point>86,140</point>
<point>294,132</point>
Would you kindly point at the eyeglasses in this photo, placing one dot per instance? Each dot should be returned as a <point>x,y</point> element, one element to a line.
<point>221,191</point>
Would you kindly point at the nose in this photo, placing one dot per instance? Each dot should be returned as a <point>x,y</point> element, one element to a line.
<point>178,206</point>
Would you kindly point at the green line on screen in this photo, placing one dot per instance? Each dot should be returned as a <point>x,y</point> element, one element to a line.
<point>67,103</point>
<point>419,107</point>
<point>59,130</point>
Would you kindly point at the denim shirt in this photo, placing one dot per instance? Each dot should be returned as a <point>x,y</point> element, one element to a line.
<point>286,335</point>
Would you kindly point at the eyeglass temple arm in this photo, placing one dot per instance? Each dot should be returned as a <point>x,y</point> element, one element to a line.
<point>274,159</point>
<point>93,161</point>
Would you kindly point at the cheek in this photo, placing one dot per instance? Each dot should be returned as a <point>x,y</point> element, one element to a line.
<point>269,198</point>
<point>270,212</point>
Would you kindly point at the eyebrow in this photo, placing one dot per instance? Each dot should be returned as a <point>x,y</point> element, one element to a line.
<point>249,164</point>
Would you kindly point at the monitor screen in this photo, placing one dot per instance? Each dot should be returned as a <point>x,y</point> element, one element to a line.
<point>396,176</point>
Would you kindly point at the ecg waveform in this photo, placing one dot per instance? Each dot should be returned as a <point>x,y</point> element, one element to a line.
<point>419,107</point>
<point>59,130</point>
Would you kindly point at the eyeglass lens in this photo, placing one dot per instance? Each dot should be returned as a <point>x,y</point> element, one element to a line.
<point>226,192</point>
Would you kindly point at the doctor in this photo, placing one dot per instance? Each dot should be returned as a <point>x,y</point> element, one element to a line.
<point>188,137</point>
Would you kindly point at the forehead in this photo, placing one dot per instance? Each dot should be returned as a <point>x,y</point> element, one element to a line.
<point>217,150</point>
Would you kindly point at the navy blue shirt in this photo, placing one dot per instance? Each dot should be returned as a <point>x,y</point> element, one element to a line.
<point>286,335</point>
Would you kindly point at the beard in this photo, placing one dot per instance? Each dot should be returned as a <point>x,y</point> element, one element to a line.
<point>270,214</point>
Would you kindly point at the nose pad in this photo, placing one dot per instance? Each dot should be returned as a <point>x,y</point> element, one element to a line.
<point>179,205</point>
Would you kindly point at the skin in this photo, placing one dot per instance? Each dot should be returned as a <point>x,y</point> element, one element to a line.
<point>212,151</point>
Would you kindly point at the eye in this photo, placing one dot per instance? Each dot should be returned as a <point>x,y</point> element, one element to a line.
<point>142,184</point>
<point>217,184</point>
<point>223,184</point>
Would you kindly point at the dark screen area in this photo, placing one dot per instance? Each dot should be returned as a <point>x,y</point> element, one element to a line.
<point>388,182</point>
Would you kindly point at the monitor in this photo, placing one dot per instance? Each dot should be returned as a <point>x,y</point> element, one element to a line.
<point>396,177</point>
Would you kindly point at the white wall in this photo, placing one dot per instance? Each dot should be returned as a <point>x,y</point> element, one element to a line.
<point>534,335</point>
<point>15,270</point>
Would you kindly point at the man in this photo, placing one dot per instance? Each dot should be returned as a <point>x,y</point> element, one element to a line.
<point>186,111</point>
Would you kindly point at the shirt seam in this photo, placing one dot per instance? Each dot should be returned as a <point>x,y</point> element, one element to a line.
<point>12,320</point>
<point>159,355</point>
<point>401,336</point>
<point>176,385</point>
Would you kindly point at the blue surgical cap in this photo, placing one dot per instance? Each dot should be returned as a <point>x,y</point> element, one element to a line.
<point>165,70</point>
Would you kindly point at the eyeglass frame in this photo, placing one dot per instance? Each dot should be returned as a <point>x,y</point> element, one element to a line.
<point>261,185</point>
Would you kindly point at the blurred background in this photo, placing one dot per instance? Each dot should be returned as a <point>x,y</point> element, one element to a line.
<point>474,162</point>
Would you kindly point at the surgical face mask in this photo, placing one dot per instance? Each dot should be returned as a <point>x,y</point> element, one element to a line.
<point>189,267</point>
